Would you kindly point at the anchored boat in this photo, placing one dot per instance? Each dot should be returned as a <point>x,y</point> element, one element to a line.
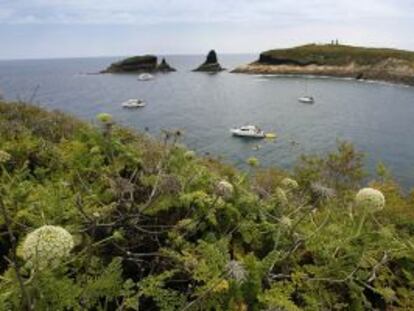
<point>133,103</point>
<point>306,99</point>
<point>145,77</point>
<point>250,131</point>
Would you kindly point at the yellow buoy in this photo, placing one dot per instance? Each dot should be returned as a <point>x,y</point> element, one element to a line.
<point>270,135</point>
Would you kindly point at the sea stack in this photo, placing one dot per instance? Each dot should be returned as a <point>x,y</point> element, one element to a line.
<point>211,64</point>
<point>165,67</point>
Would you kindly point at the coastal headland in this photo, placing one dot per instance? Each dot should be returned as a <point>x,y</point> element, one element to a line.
<point>390,65</point>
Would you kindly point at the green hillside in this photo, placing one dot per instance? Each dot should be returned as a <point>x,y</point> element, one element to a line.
<point>335,55</point>
<point>99,217</point>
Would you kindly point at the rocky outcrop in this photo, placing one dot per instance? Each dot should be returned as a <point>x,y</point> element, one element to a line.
<point>211,63</point>
<point>136,64</point>
<point>401,73</point>
<point>146,63</point>
<point>338,61</point>
<point>164,66</point>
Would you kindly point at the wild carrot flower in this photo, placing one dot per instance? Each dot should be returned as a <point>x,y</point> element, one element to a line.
<point>47,246</point>
<point>4,156</point>
<point>370,198</point>
<point>281,196</point>
<point>189,155</point>
<point>286,221</point>
<point>289,183</point>
<point>104,117</point>
<point>225,189</point>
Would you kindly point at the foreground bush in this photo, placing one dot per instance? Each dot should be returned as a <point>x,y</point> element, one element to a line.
<point>154,227</point>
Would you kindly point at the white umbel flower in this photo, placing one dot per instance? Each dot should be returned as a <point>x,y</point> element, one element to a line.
<point>286,221</point>
<point>281,196</point>
<point>4,156</point>
<point>225,189</point>
<point>189,155</point>
<point>47,246</point>
<point>370,198</point>
<point>289,183</point>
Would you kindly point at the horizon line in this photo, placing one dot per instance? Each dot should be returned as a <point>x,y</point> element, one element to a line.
<point>130,55</point>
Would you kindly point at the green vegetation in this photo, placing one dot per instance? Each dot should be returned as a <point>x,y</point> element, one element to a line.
<point>147,225</point>
<point>138,59</point>
<point>334,55</point>
<point>134,64</point>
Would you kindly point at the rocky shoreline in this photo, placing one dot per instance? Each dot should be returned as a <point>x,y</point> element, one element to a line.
<point>397,74</point>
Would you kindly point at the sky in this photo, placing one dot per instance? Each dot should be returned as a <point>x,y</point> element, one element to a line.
<point>87,28</point>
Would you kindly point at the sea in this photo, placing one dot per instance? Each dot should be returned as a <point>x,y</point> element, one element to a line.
<point>378,118</point>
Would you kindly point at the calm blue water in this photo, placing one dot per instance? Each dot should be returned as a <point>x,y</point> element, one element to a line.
<point>377,118</point>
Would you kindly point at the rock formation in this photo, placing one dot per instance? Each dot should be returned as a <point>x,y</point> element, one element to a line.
<point>211,64</point>
<point>136,64</point>
<point>146,63</point>
<point>164,66</point>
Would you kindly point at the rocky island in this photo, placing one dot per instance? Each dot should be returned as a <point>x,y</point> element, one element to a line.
<point>211,63</point>
<point>145,63</point>
<point>391,65</point>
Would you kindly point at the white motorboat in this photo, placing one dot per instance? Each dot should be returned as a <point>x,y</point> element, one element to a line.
<point>133,103</point>
<point>250,131</point>
<point>145,77</point>
<point>306,99</point>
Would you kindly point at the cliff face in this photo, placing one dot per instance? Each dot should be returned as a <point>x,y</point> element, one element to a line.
<point>337,60</point>
<point>146,63</point>
<point>211,63</point>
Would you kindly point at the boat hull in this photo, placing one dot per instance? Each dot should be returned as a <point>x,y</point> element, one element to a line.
<point>145,77</point>
<point>133,106</point>
<point>306,100</point>
<point>238,133</point>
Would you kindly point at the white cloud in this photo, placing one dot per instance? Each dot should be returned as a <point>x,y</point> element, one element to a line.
<point>56,28</point>
<point>190,11</point>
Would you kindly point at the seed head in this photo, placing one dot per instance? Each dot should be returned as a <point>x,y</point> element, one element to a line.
<point>236,270</point>
<point>225,189</point>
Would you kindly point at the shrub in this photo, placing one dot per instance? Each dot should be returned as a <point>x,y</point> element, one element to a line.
<point>157,229</point>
